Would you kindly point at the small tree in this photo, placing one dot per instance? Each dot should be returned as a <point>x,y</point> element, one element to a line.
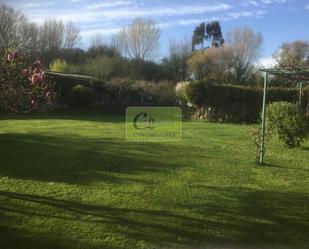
<point>287,122</point>
<point>293,54</point>
<point>23,89</point>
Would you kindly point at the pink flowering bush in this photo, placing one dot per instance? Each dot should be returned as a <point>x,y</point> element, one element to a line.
<point>23,89</point>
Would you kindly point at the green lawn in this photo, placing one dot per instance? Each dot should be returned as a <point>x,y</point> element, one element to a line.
<point>73,182</point>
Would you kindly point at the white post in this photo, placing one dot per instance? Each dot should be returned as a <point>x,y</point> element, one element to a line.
<point>262,146</point>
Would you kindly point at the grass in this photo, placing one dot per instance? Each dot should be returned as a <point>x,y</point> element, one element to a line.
<point>69,181</point>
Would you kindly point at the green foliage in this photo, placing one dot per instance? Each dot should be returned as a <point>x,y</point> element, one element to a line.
<point>196,92</point>
<point>59,65</point>
<point>199,35</point>
<point>104,67</point>
<point>287,122</point>
<point>81,96</point>
<point>126,91</point>
<point>236,103</point>
<point>212,64</point>
<point>214,33</point>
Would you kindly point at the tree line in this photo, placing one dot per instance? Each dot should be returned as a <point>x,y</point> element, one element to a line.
<point>134,51</point>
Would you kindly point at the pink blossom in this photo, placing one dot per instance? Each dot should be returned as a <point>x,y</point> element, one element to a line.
<point>13,56</point>
<point>10,58</point>
<point>48,94</point>
<point>25,72</point>
<point>36,67</point>
<point>37,79</point>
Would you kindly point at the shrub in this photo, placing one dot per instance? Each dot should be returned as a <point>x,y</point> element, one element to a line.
<point>163,93</point>
<point>180,90</point>
<point>22,88</point>
<point>196,93</point>
<point>104,67</point>
<point>62,66</point>
<point>287,122</point>
<point>81,96</point>
<point>236,103</point>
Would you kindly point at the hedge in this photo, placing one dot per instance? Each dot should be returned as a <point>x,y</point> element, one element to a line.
<point>115,95</point>
<point>238,103</point>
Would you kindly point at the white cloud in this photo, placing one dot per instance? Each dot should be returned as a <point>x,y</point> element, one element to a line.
<point>266,62</point>
<point>223,17</point>
<point>125,12</point>
<point>251,3</point>
<point>261,3</point>
<point>273,1</point>
<point>103,31</point>
<point>240,14</point>
<point>109,4</point>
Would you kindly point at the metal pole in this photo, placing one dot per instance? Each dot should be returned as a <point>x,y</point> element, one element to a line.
<point>262,147</point>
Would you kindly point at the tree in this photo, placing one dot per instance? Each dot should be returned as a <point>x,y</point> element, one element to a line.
<point>140,40</point>
<point>176,63</point>
<point>72,35</point>
<point>214,34</point>
<point>29,34</point>
<point>292,54</point>
<point>246,47</point>
<point>211,32</point>
<point>51,37</point>
<point>10,23</point>
<point>213,64</point>
<point>198,37</point>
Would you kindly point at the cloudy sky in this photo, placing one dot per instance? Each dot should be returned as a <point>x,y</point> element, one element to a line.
<point>278,20</point>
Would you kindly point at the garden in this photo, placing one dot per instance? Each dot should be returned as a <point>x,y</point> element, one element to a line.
<point>69,178</point>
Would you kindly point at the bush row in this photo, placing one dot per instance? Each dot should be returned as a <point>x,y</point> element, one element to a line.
<point>227,103</point>
<point>235,103</point>
<point>115,95</point>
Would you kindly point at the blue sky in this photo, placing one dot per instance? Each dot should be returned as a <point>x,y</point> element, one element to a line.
<point>277,20</point>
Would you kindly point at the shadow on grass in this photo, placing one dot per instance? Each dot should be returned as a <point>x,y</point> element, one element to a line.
<point>248,215</point>
<point>235,216</point>
<point>93,116</point>
<point>80,160</point>
<point>305,148</point>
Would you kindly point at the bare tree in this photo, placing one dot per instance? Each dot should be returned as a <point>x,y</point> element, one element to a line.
<point>30,37</point>
<point>179,53</point>
<point>10,23</point>
<point>246,47</point>
<point>118,43</point>
<point>51,35</point>
<point>140,40</point>
<point>293,54</point>
<point>72,35</point>
<point>97,40</point>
